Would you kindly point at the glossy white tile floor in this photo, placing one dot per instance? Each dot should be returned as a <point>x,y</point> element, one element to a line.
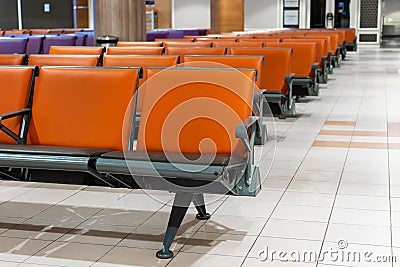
<point>312,198</point>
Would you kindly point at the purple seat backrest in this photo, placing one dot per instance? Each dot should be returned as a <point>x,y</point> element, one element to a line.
<point>17,35</point>
<point>90,39</point>
<point>81,38</point>
<point>34,45</point>
<point>12,45</point>
<point>62,40</point>
<point>191,32</point>
<point>203,32</point>
<point>175,34</point>
<point>152,35</point>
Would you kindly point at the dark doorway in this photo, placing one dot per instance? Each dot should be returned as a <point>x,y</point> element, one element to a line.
<point>318,10</point>
<point>342,13</point>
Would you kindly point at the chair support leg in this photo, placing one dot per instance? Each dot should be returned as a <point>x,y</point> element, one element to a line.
<point>199,203</point>
<point>179,209</point>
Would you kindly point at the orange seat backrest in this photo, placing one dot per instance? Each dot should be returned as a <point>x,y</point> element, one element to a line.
<point>185,108</point>
<point>12,59</point>
<point>81,107</point>
<point>350,35</point>
<point>304,55</point>
<point>14,94</point>
<point>228,45</point>
<point>321,46</point>
<point>77,50</point>
<point>63,60</point>
<point>151,44</point>
<point>277,64</point>
<point>238,62</point>
<point>187,44</point>
<point>334,39</point>
<point>182,51</point>
<point>213,39</point>
<point>322,40</point>
<point>39,31</point>
<point>263,40</point>
<point>135,50</point>
<point>144,61</point>
<point>172,40</point>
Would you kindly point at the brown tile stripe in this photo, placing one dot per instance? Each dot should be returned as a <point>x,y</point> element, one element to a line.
<point>339,144</point>
<point>341,123</point>
<point>352,133</point>
<point>366,145</point>
<point>394,129</point>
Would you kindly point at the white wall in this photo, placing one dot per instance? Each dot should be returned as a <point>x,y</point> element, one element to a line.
<point>260,14</point>
<point>191,13</point>
<point>392,10</point>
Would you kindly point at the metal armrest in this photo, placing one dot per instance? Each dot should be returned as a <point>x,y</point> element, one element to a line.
<point>13,114</point>
<point>289,81</point>
<point>242,131</point>
<point>10,115</point>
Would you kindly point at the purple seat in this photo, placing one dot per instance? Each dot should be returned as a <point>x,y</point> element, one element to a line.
<point>81,38</point>
<point>34,45</point>
<point>175,34</point>
<point>191,32</point>
<point>12,45</point>
<point>152,35</point>
<point>62,40</point>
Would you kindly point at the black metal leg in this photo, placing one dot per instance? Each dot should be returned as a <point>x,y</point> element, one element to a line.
<point>179,209</point>
<point>199,203</point>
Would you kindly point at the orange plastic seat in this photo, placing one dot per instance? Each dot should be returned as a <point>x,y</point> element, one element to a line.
<point>249,62</point>
<point>182,51</point>
<point>86,110</point>
<point>194,89</point>
<point>144,61</point>
<point>63,60</point>
<point>150,44</point>
<point>12,59</point>
<point>15,96</point>
<point>228,45</point>
<point>187,44</point>
<point>39,31</point>
<point>277,65</point>
<point>135,50</point>
<point>76,50</point>
<point>173,40</point>
<point>304,56</point>
<point>321,49</point>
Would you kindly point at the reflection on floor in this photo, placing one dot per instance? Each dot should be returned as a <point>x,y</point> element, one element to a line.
<point>391,42</point>
<point>331,191</point>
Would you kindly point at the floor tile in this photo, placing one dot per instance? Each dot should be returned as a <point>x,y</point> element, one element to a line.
<point>219,244</point>
<point>233,225</point>
<point>69,254</point>
<point>199,260</point>
<point>362,202</point>
<point>294,229</point>
<point>18,250</point>
<point>361,217</point>
<point>308,199</point>
<point>301,213</point>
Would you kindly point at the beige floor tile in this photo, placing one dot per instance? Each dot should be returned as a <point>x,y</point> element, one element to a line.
<point>318,176</point>
<point>312,186</point>
<point>233,225</point>
<point>356,234</point>
<point>294,229</point>
<point>21,210</point>
<point>19,250</point>
<point>363,189</point>
<point>252,262</point>
<point>361,217</point>
<point>40,230</point>
<point>199,260</point>
<point>67,213</point>
<point>219,244</point>
<point>302,213</point>
<point>270,244</point>
<point>308,199</point>
<point>362,202</point>
<point>132,257</point>
<point>69,254</point>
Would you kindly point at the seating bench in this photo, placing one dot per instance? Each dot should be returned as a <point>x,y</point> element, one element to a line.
<point>88,130</point>
<point>12,59</point>
<point>135,50</point>
<point>276,77</point>
<point>304,66</point>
